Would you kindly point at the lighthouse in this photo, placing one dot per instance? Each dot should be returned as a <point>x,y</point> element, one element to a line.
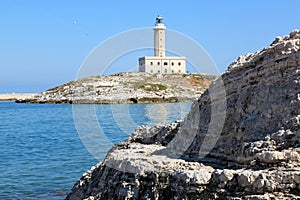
<point>159,38</point>
<point>160,63</point>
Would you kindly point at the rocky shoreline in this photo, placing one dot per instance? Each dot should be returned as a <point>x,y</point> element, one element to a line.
<point>251,153</point>
<point>130,87</point>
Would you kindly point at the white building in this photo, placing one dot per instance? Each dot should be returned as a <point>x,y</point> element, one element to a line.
<point>160,63</point>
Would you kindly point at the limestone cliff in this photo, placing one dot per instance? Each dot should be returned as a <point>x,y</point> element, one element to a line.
<point>130,87</point>
<point>252,150</point>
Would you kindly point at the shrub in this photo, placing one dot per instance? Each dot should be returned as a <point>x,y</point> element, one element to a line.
<point>153,87</point>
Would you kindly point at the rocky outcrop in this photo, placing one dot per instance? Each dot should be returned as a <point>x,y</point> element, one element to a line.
<point>131,87</point>
<point>253,152</point>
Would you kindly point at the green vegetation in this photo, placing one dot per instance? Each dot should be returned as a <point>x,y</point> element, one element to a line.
<point>153,87</point>
<point>184,75</point>
<point>90,87</point>
<point>197,76</point>
<point>204,76</point>
<point>104,86</point>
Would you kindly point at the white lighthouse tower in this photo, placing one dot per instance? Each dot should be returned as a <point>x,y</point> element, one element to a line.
<point>160,63</point>
<point>159,38</point>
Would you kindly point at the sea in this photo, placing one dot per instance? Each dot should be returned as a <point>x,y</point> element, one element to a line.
<point>45,148</point>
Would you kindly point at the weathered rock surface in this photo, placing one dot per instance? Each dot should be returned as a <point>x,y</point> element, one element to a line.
<point>256,154</point>
<point>130,87</point>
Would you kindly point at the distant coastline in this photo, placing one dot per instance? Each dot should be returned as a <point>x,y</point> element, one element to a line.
<point>15,96</point>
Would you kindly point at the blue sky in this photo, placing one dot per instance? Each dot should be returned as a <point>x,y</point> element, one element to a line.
<point>44,43</point>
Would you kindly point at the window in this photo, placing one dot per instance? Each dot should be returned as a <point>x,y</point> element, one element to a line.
<point>172,64</point>
<point>172,71</point>
<point>158,71</point>
<point>151,63</point>
<point>165,63</point>
<point>158,63</point>
<point>166,71</point>
<point>151,71</point>
<point>179,63</point>
<point>179,71</point>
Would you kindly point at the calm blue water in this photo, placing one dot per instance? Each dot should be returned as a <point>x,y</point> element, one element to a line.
<point>42,154</point>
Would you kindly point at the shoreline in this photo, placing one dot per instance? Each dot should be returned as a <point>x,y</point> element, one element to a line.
<point>143,100</point>
<point>15,96</point>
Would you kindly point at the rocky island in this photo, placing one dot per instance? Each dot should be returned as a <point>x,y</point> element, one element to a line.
<point>252,153</point>
<point>129,87</point>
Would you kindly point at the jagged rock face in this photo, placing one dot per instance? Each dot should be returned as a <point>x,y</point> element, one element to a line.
<point>263,106</point>
<point>256,153</point>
